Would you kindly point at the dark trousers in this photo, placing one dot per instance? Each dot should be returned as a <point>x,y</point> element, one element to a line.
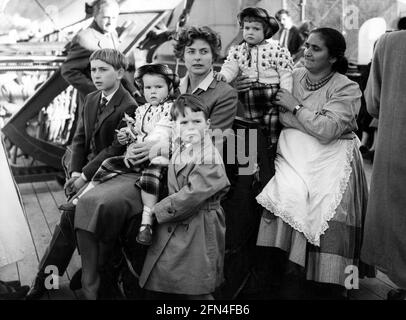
<point>62,246</point>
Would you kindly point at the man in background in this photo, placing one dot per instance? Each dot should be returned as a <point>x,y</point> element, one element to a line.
<point>101,34</point>
<point>289,35</point>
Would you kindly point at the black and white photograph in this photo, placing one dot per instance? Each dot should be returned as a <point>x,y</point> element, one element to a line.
<point>226,151</point>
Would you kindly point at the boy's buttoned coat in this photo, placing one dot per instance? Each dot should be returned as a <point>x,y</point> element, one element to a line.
<point>104,135</point>
<point>187,253</point>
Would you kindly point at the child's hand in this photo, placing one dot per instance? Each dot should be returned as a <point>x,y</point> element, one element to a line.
<point>242,83</point>
<point>128,119</point>
<point>221,77</point>
<point>122,136</point>
<point>129,163</point>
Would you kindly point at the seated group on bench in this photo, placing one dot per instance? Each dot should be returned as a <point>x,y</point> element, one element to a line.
<point>118,168</point>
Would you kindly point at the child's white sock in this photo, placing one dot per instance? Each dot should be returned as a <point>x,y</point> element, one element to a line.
<point>89,187</point>
<point>147,217</point>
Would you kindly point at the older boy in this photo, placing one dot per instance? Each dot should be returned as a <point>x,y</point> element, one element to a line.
<point>94,141</point>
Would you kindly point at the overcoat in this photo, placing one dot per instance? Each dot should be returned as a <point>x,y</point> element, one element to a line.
<point>384,242</point>
<point>187,253</point>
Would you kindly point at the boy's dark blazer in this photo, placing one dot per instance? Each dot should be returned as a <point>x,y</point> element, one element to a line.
<point>295,41</point>
<point>104,133</point>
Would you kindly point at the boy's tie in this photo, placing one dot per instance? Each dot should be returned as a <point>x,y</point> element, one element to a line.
<point>100,109</point>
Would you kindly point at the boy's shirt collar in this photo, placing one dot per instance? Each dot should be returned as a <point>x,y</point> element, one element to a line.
<point>108,98</point>
<point>203,85</point>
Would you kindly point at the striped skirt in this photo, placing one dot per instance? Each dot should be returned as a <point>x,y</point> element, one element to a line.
<point>340,246</point>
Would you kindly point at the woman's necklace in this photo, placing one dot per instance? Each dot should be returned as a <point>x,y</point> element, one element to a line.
<point>312,86</point>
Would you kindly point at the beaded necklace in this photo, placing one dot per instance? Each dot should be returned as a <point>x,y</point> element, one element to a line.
<point>312,86</point>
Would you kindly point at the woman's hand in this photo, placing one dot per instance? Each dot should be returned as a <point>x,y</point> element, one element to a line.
<point>138,153</point>
<point>242,83</point>
<point>285,100</point>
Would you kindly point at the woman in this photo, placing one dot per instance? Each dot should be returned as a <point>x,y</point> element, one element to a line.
<point>315,203</point>
<point>199,47</point>
<point>116,201</point>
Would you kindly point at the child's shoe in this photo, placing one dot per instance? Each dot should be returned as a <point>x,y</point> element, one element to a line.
<point>144,236</point>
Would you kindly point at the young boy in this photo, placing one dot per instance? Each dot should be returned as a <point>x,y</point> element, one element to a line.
<point>94,139</point>
<point>265,62</point>
<point>187,252</point>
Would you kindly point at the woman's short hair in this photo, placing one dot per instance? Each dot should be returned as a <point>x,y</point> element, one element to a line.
<point>188,35</point>
<point>336,46</point>
<point>112,57</point>
<point>191,101</point>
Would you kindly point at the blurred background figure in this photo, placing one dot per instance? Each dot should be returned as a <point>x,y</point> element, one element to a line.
<point>99,35</point>
<point>304,31</point>
<point>15,88</point>
<point>289,36</point>
<point>402,23</point>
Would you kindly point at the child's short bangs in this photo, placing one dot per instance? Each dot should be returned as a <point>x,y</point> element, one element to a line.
<point>167,80</point>
<point>254,19</point>
<point>194,103</point>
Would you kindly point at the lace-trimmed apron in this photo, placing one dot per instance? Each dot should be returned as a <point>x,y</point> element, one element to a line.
<point>309,182</point>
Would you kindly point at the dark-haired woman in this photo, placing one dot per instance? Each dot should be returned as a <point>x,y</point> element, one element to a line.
<point>199,47</point>
<point>315,204</point>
